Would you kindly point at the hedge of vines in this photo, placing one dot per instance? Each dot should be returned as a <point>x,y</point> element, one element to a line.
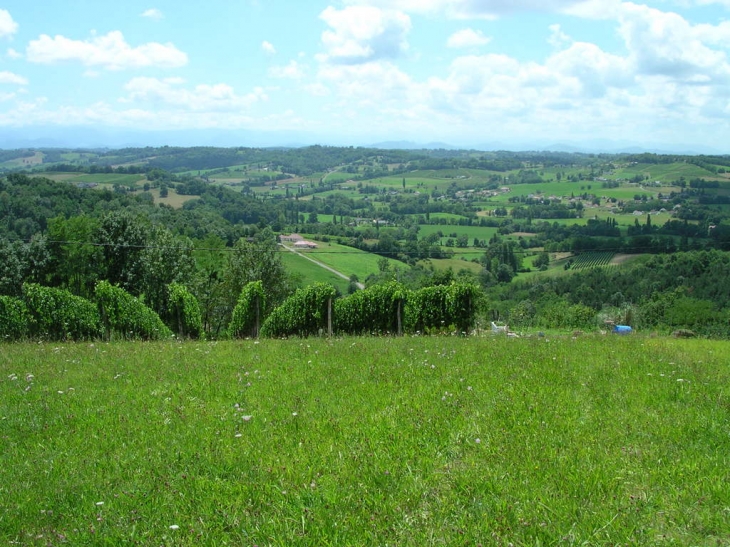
<point>377,310</point>
<point>303,314</point>
<point>184,311</point>
<point>247,315</point>
<point>125,316</point>
<point>14,319</point>
<point>442,308</point>
<point>56,314</point>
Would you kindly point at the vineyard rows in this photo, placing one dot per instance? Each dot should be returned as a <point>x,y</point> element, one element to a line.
<point>591,260</point>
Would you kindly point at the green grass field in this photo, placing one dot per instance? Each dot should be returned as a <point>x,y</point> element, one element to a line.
<point>666,172</point>
<point>98,178</point>
<point>347,260</point>
<point>29,162</point>
<point>308,272</point>
<point>366,441</point>
<point>479,232</point>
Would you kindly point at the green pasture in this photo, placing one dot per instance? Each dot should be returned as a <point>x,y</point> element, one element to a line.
<point>543,189</point>
<point>346,260</point>
<point>233,170</point>
<point>99,178</point>
<point>413,441</point>
<point>448,216</point>
<point>173,199</point>
<point>456,264</point>
<point>334,176</point>
<point>665,172</point>
<point>307,272</point>
<point>479,232</point>
<point>29,162</point>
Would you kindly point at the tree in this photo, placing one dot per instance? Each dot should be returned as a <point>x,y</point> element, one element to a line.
<point>75,258</point>
<point>166,259</point>
<point>255,259</point>
<point>22,262</point>
<point>123,238</point>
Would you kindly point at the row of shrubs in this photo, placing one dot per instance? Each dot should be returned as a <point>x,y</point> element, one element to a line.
<point>390,308</point>
<point>56,314</point>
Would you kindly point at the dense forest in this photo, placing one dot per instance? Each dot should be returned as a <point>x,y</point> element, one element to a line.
<point>60,235</point>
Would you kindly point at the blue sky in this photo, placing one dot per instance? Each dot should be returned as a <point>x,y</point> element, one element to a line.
<point>466,72</point>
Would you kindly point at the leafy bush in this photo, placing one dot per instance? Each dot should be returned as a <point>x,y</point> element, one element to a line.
<point>302,314</point>
<point>57,314</point>
<point>184,311</point>
<point>124,315</point>
<point>442,307</point>
<point>14,318</point>
<point>379,310</point>
<point>246,319</point>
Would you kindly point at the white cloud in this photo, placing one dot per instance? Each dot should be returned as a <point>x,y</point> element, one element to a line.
<point>317,89</point>
<point>110,51</point>
<point>8,27</point>
<point>665,44</point>
<point>12,54</point>
<point>375,84</point>
<point>152,13</point>
<point>268,47</point>
<point>202,98</point>
<point>362,33</point>
<point>293,71</point>
<point>558,39</point>
<point>490,9</point>
<point>10,78</point>
<point>466,38</point>
<point>593,71</point>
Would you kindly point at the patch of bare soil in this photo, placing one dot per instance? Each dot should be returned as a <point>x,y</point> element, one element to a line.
<point>620,258</point>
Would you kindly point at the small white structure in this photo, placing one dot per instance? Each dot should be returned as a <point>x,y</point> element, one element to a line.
<point>499,329</point>
<point>291,237</point>
<point>303,244</point>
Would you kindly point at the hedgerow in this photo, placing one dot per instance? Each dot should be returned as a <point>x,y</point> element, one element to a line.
<point>126,316</point>
<point>184,311</point>
<point>14,319</point>
<point>442,308</point>
<point>246,319</point>
<point>56,314</point>
<point>304,313</point>
<point>377,310</point>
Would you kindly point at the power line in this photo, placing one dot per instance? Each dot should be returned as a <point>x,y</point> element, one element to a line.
<point>283,249</point>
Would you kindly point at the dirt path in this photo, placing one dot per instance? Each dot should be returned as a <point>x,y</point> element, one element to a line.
<point>322,265</point>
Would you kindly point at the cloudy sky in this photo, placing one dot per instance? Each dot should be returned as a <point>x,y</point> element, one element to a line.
<point>465,72</point>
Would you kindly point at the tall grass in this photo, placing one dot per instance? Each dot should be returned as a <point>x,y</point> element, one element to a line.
<point>366,441</point>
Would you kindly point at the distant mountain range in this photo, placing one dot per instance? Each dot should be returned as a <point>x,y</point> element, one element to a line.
<point>84,137</point>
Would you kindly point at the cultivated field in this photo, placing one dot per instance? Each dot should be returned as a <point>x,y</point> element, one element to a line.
<point>366,441</point>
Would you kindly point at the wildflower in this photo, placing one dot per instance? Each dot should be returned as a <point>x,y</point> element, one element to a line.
<point>99,503</point>
<point>237,435</point>
<point>294,413</point>
<point>246,417</point>
<point>174,527</point>
<point>477,440</point>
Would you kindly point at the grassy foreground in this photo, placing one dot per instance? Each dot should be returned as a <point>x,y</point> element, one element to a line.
<point>363,441</point>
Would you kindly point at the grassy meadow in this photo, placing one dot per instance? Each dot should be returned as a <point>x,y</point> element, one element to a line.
<point>366,441</point>
<point>309,272</point>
